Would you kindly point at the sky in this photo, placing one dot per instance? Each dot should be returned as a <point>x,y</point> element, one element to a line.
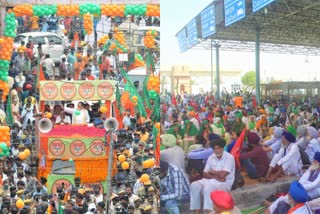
<point>175,14</point>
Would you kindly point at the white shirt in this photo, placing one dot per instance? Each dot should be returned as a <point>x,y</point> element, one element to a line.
<point>196,123</point>
<point>132,198</point>
<point>82,118</point>
<point>65,120</point>
<point>49,64</point>
<point>225,163</point>
<point>99,198</point>
<point>312,188</point>
<point>126,121</point>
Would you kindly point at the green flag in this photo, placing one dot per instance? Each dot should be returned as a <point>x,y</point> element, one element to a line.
<point>145,92</point>
<point>133,92</point>
<point>118,99</point>
<point>9,115</point>
<point>150,63</point>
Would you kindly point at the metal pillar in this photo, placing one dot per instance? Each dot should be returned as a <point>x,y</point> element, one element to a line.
<point>109,176</point>
<point>258,66</point>
<point>211,73</point>
<point>217,71</point>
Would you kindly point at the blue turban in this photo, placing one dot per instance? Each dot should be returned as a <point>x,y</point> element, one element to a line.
<point>289,137</point>
<point>317,156</point>
<point>298,192</point>
<point>213,136</point>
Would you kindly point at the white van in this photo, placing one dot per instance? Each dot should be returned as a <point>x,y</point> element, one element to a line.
<point>55,50</point>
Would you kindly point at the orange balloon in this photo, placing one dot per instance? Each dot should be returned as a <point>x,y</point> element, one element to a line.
<point>103,109</point>
<point>144,178</point>
<point>20,203</point>
<point>125,165</point>
<point>22,155</point>
<point>48,115</point>
<point>27,151</point>
<point>121,158</point>
<point>158,125</point>
<point>134,98</point>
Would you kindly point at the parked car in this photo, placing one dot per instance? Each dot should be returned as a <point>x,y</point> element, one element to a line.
<point>55,49</point>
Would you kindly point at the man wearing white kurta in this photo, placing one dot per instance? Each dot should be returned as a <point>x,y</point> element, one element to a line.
<point>218,175</point>
<point>310,180</point>
<point>81,118</point>
<point>288,160</point>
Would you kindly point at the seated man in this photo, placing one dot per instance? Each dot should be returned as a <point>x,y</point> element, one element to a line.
<point>287,161</point>
<point>174,187</point>
<point>294,202</point>
<point>255,161</point>
<point>218,175</point>
<point>310,180</point>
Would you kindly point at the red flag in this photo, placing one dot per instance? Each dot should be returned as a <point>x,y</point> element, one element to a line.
<point>173,100</point>
<point>237,147</point>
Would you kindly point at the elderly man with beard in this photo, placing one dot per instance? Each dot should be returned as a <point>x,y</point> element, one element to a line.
<point>218,175</point>
<point>310,181</point>
<point>287,161</point>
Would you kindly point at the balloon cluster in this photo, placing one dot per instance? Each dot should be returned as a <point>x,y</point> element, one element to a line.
<point>139,10</point>
<point>6,49</point>
<point>4,67</point>
<point>68,10</point>
<point>88,23</point>
<point>112,10</point>
<point>23,10</point>
<point>5,87</point>
<point>11,25</point>
<point>149,40</point>
<point>91,8</point>
<point>103,39</point>
<point>153,10</point>
<point>154,83</point>
<point>144,178</point>
<point>138,61</point>
<point>44,10</point>
<point>119,46</point>
<point>5,135</point>
<point>23,155</point>
<point>148,163</point>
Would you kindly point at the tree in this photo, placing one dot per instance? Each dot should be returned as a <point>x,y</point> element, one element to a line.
<point>249,80</point>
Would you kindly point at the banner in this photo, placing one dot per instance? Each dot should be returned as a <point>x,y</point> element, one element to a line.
<point>55,181</point>
<point>76,148</point>
<point>77,90</point>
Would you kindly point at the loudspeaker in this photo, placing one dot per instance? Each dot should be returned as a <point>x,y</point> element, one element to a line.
<point>45,125</point>
<point>111,124</point>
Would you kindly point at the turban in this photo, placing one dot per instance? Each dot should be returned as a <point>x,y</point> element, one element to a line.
<point>238,114</point>
<point>222,200</point>
<point>313,132</point>
<point>169,140</point>
<point>218,142</point>
<point>298,192</point>
<point>278,132</point>
<point>292,130</point>
<point>271,110</point>
<point>217,119</point>
<point>213,136</point>
<point>317,156</point>
<point>191,113</point>
<point>302,131</point>
<point>253,138</point>
<point>289,137</point>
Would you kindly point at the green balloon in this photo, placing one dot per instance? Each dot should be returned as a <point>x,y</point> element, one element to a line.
<point>7,154</point>
<point>2,154</point>
<point>77,112</point>
<point>3,147</point>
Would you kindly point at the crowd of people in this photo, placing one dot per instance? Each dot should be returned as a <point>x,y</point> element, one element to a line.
<point>210,145</point>
<point>19,177</point>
